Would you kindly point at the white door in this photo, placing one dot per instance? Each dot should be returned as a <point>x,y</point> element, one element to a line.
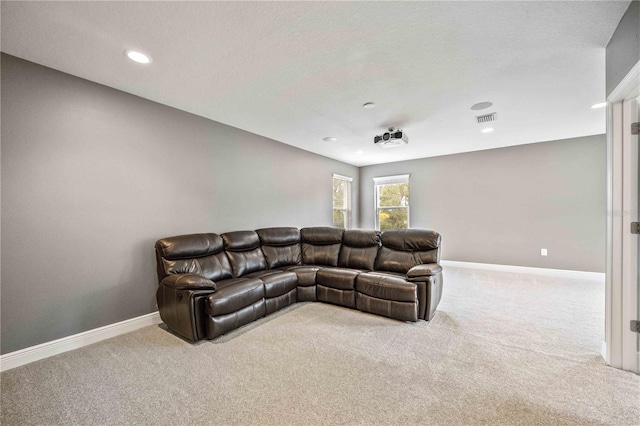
<point>622,344</point>
<point>637,236</point>
<point>630,239</point>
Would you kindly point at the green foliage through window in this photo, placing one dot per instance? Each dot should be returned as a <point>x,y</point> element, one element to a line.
<point>341,202</point>
<point>392,205</point>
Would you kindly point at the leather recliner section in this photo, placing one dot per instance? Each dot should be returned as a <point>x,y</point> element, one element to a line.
<point>337,286</point>
<point>237,302</point>
<point>280,246</point>
<point>357,254</point>
<point>321,245</point>
<point>320,248</point>
<point>388,295</point>
<point>403,249</point>
<point>244,253</point>
<point>306,291</point>
<point>359,249</point>
<point>187,267</point>
<point>280,290</point>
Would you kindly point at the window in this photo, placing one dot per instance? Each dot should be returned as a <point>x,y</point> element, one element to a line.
<point>392,202</point>
<point>341,201</point>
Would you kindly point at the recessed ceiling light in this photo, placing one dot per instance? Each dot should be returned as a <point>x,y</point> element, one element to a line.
<point>329,139</point>
<point>359,152</point>
<point>599,105</point>
<point>138,57</point>
<point>369,105</point>
<point>487,130</point>
<point>481,105</point>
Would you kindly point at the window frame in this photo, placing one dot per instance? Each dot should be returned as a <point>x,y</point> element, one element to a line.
<point>390,180</point>
<point>348,208</point>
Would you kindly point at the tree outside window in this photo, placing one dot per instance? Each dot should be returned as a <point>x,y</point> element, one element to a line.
<point>342,201</point>
<point>392,202</point>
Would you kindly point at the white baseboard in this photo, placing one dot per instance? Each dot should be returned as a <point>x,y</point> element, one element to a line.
<point>563,273</point>
<point>55,347</point>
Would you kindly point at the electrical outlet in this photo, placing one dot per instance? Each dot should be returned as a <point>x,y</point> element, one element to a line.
<point>543,252</point>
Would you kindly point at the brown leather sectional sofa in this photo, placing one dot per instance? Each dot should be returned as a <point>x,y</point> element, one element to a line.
<point>211,284</point>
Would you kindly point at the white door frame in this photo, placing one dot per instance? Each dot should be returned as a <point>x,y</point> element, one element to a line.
<point>621,300</point>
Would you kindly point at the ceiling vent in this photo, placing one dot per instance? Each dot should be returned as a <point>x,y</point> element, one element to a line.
<point>486,118</point>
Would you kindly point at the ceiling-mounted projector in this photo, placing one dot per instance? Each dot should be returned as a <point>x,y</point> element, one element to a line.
<point>394,137</point>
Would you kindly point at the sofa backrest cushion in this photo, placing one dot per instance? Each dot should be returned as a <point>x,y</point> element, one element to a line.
<point>403,249</point>
<point>243,250</point>
<point>280,246</point>
<point>199,254</point>
<point>359,249</point>
<point>321,245</point>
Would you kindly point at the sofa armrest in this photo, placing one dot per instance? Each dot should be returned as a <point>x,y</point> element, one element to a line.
<point>189,282</point>
<point>424,271</point>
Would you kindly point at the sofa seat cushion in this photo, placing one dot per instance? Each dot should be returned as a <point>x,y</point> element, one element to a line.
<point>387,294</point>
<point>273,304</point>
<point>338,278</point>
<point>386,287</point>
<point>279,283</point>
<point>403,311</point>
<point>221,324</point>
<point>306,274</point>
<point>234,294</point>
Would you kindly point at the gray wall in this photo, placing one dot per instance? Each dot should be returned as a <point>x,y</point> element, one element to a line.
<point>92,176</point>
<point>623,50</point>
<point>502,206</point>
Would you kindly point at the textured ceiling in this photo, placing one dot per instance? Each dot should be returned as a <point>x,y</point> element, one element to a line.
<point>298,72</point>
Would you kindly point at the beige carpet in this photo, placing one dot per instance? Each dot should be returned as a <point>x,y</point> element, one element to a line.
<point>503,349</point>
